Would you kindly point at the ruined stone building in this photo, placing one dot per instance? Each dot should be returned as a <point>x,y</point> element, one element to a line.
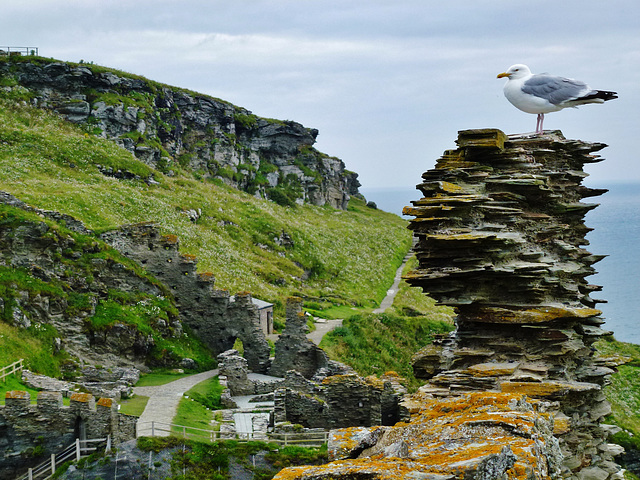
<point>516,392</point>
<point>28,433</point>
<point>213,316</point>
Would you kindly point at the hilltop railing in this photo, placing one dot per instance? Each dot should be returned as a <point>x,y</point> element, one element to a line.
<point>9,51</point>
<point>11,369</point>
<point>307,439</point>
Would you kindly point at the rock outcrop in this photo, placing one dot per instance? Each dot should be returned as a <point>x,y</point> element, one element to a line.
<point>479,436</point>
<point>167,127</point>
<point>500,235</point>
<point>71,275</point>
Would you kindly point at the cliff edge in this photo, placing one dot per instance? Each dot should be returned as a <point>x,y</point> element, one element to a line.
<point>170,128</point>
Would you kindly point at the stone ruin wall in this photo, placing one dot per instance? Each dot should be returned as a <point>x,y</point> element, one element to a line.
<point>312,390</point>
<point>517,390</point>
<point>209,312</point>
<point>51,426</point>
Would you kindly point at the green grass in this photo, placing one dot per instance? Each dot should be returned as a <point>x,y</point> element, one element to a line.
<point>198,460</point>
<point>134,405</point>
<point>349,256</point>
<point>34,345</point>
<point>196,408</point>
<point>375,344</point>
<point>160,377</point>
<point>624,394</point>
<point>412,302</point>
<point>332,312</point>
<point>624,390</point>
<point>14,383</point>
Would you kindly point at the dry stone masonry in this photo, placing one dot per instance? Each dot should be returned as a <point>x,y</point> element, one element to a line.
<point>29,433</point>
<point>516,390</point>
<point>294,351</point>
<point>208,311</point>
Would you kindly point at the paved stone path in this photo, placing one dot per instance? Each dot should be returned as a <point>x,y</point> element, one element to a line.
<point>163,401</point>
<point>322,327</point>
<point>391,293</point>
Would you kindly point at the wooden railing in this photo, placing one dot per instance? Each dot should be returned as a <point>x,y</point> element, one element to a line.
<point>10,51</point>
<point>74,452</point>
<point>11,369</point>
<point>308,439</point>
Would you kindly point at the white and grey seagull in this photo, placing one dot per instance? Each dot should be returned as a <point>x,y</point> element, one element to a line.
<point>544,93</point>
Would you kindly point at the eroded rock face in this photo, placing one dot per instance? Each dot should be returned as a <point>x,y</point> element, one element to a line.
<point>500,237</point>
<point>516,391</point>
<point>162,125</point>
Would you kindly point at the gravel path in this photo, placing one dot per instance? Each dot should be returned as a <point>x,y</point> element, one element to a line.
<point>163,401</point>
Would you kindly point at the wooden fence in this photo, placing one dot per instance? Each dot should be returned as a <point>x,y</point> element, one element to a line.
<point>74,452</point>
<point>11,369</point>
<point>10,51</point>
<point>306,439</point>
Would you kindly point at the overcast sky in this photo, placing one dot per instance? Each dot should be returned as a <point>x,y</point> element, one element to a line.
<point>387,83</point>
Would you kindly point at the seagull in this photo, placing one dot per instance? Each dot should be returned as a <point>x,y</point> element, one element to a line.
<point>544,93</point>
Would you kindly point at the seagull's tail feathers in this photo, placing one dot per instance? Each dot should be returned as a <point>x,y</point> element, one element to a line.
<point>598,96</point>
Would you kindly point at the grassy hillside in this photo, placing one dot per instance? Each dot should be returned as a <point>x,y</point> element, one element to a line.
<point>376,343</point>
<point>346,256</point>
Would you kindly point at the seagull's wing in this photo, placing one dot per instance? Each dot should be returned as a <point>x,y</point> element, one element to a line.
<point>556,90</point>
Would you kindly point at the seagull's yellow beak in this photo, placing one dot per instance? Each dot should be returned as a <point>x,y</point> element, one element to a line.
<point>503,74</point>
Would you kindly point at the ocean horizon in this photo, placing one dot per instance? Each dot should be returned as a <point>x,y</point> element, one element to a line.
<point>616,230</point>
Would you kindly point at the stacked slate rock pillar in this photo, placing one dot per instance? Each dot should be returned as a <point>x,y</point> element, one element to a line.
<point>500,235</point>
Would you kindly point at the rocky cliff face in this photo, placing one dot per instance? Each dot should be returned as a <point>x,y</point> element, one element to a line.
<point>62,277</point>
<point>124,305</point>
<point>170,128</point>
<point>500,234</point>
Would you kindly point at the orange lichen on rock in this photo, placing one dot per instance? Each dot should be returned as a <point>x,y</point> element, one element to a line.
<point>541,314</point>
<point>17,394</point>
<point>81,397</point>
<point>547,388</point>
<point>105,402</point>
<point>170,238</point>
<point>487,435</point>
<point>206,277</point>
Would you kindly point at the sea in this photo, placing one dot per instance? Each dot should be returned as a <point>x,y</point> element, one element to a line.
<point>616,233</point>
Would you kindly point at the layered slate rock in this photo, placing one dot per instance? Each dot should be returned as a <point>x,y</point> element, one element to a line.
<point>500,236</point>
<point>516,391</point>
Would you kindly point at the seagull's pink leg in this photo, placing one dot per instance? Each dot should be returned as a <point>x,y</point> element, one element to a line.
<point>539,123</point>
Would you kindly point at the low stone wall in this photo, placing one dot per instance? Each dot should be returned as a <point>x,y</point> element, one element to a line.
<point>337,401</point>
<point>30,433</point>
<point>294,351</point>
